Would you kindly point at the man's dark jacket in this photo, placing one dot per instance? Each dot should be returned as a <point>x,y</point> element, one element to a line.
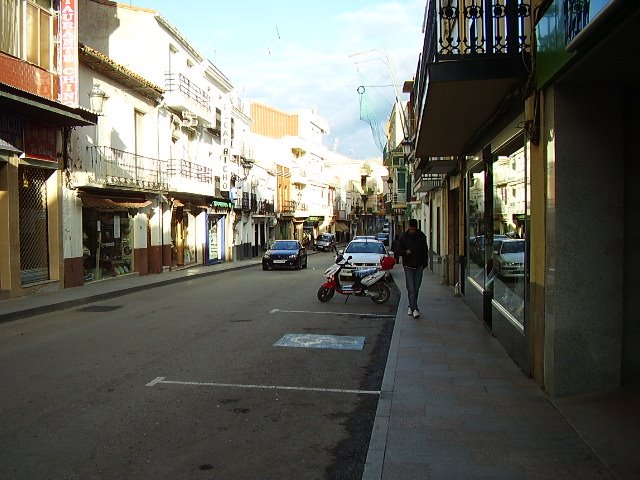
<point>417,243</point>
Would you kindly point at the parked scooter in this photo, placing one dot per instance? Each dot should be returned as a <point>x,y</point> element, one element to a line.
<point>368,282</point>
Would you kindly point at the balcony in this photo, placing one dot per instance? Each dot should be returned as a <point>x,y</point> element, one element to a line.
<point>427,182</point>
<point>110,167</point>
<point>189,177</point>
<point>182,94</point>
<point>292,208</point>
<point>475,56</point>
<point>397,200</point>
<point>266,208</point>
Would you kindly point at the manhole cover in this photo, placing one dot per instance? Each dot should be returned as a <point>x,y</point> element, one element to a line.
<point>100,308</point>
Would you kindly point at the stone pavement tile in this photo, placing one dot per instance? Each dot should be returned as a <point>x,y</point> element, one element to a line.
<point>401,471</point>
<point>576,463</point>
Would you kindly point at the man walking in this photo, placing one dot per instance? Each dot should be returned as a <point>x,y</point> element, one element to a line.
<point>414,251</point>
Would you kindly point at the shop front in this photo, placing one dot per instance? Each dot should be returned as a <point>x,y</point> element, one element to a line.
<point>497,220</point>
<point>108,243</point>
<point>216,225</point>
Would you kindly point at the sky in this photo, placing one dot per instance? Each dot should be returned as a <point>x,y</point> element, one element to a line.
<point>298,55</point>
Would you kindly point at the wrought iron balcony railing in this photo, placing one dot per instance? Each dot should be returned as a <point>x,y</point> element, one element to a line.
<point>291,206</point>
<point>189,170</point>
<point>177,82</point>
<point>266,207</point>
<point>427,181</point>
<point>114,167</point>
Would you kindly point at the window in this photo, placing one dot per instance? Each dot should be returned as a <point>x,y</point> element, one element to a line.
<point>11,27</point>
<point>27,31</point>
<point>508,256</point>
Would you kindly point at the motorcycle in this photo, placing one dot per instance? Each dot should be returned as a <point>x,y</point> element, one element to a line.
<point>368,282</point>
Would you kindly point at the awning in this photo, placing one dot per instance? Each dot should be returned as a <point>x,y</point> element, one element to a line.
<point>113,202</point>
<point>341,227</point>
<point>7,147</point>
<point>222,204</point>
<point>43,110</point>
<point>191,202</point>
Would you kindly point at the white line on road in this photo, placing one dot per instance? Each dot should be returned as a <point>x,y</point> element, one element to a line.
<point>277,310</point>
<point>159,380</point>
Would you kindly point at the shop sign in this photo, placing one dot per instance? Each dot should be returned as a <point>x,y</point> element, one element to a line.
<point>558,31</point>
<point>40,142</point>
<point>11,130</point>
<point>68,94</point>
<point>225,142</point>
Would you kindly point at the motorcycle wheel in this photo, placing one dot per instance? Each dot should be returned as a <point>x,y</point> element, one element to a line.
<point>383,293</point>
<point>325,293</point>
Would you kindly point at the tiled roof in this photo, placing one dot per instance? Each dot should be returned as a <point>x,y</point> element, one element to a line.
<point>100,62</point>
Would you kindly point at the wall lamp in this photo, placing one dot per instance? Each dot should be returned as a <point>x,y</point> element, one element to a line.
<point>97,96</point>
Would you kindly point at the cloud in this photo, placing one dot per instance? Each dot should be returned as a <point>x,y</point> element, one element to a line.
<point>320,58</point>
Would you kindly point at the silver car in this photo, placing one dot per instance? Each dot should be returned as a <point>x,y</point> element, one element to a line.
<point>509,261</point>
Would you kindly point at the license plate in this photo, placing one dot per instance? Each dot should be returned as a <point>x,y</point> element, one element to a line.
<point>279,261</point>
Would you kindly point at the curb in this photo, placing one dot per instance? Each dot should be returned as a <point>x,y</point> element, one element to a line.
<point>64,304</point>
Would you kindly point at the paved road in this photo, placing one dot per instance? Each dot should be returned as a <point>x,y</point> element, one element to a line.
<point>184,381</point>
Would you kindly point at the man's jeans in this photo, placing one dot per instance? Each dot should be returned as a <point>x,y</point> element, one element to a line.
<point>413,278</point>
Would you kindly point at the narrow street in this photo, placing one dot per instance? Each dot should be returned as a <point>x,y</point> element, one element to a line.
<point>187,381</point>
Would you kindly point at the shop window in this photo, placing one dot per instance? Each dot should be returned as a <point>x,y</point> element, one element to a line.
<point>477,232</point>
<point>107,244</point>
<point>509,253</point>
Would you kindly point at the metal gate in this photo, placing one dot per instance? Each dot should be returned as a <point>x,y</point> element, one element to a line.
<point>34,244</point>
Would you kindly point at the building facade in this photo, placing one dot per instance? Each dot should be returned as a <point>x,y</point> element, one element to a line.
<point>39,109</point>
<point>514,131</point>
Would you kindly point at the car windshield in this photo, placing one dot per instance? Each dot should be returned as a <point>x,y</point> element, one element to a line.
<point>512,247</point>
<point>284,245</point>
<point>365,247</point>
<point>326,238</point>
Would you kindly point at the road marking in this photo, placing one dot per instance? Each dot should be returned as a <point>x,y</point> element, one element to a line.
<point>159,380</point>
<point>309,340</point>
<point>277,310</point>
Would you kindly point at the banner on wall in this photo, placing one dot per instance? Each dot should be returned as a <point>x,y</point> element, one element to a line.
<point>68,56</point>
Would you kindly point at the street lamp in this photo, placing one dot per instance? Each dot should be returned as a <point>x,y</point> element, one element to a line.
<point>407,146</point>
<point>96,98</point>
<point>247,165</point>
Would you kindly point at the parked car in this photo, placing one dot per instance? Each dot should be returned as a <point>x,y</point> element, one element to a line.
<point>509,261</point>
<point>364,253</point>
<point>383,237</point>
<point>364,237</point>
<point>325,241</point>
<point>285,254</point>
<point>478,244</point>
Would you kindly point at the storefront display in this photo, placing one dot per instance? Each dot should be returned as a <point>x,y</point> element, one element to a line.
<point>107,244</point>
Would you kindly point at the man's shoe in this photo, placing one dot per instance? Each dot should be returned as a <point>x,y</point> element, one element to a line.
<point>410,312</point>
<point>416,314</point>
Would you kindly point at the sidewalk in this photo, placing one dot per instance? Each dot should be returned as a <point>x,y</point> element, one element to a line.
<point>36,304</point>
<point>455,406</point>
